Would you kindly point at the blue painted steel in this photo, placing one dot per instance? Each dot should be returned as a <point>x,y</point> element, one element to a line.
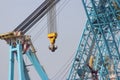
<point>34,60</point>
<point>11,64</point>
<point>100,39</point>
<point>26,71</point>
<point>20,61</point>
<point>16,49</point>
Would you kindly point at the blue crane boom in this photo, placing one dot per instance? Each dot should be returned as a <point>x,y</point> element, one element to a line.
<point>98,54</point>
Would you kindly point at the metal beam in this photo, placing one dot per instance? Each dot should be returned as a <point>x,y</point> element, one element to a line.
<point>36,16</point>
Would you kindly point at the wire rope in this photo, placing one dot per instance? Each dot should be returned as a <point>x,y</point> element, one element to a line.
<point>63,72</point>
<point>60,71</point>
<point>45,26</point>
<point>42,29</point>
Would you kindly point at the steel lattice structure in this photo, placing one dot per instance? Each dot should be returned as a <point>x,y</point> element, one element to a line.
<point>98,54</point>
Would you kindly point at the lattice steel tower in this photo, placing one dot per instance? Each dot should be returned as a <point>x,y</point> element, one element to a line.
<point>98,54</point>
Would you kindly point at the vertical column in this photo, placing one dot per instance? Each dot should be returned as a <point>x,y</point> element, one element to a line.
<point>11,64</point>
<point>20,62</point>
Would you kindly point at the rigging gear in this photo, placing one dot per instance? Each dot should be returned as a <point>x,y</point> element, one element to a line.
<point>21,44</point>
<point>32,19</point>
<point>52,30</point>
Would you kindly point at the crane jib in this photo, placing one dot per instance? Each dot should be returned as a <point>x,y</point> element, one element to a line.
<point>36,16</point>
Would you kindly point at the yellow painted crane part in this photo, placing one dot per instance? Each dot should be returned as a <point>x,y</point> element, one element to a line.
<point>9,35</point>
<point>91,61</point>
<point>52,37</point>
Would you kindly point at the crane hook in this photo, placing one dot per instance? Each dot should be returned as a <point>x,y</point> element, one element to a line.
<point>52,48</point>
<point>52,37</point>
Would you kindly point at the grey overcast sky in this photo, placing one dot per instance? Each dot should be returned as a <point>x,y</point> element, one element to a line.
<point>71,19</point>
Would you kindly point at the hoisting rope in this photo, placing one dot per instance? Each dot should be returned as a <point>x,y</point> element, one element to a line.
<point>43,28</point>
<point>32,19</point>
<point>52,29</point>
<point>62,72</point>
<point>51,19</point>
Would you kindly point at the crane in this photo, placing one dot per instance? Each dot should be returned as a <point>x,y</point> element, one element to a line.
<point>20,44</point>
<point>98,54</point>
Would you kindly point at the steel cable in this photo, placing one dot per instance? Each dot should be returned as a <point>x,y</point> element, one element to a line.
<point>60,8</point>
<point>63,68</point>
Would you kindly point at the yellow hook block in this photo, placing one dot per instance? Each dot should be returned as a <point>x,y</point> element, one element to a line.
<point>52,37</point>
